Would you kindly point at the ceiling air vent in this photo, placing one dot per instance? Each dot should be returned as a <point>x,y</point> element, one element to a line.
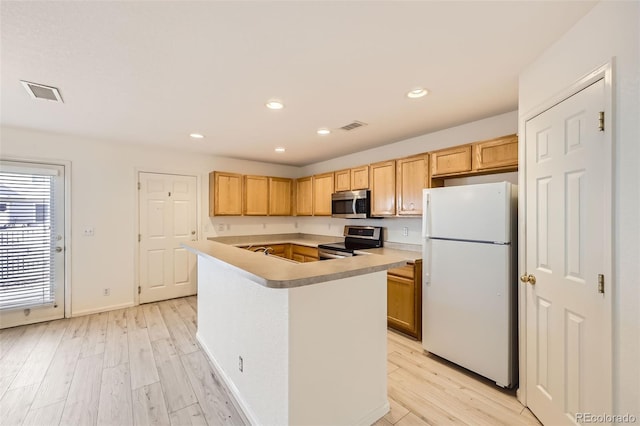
<point>40,91</point>
<point>354,125</point>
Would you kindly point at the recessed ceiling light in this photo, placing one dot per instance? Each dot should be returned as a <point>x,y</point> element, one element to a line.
<point>196,135</point>
<point>279,149</point>
<point>323,131</point>
<point>417,93</point>
<point>274,104</point>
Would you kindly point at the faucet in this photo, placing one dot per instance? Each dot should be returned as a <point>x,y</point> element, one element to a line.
<point>265,250</point>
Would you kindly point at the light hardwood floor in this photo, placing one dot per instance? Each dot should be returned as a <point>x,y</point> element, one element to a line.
<point>142,366</point>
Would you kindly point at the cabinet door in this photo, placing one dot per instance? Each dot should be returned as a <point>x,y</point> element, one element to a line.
<point>412,176</point>
<point>343,180</point>
<point>280,196</point>
<point>498,153</point>
<point>225,194</point>
<point>404,299</point>
<point>256,195</point>
<point>451,161</point>
<point>360,178</point>
<point>304,196</point>
<point>308,254</point>
<point>382,178</point>
<point>322,190</point>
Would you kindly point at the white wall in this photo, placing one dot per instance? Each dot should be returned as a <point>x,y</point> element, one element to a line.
<point>492,127</point>
<point>609,31</point>
<point>104,196</point>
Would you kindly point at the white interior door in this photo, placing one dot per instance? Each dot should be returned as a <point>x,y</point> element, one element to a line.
<point>568,344</point>
<point>167,208</point>
<point>32,242</point>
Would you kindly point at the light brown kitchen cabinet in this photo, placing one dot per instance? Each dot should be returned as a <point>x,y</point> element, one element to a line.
<point>342,180</point>
<point>494,154</point>
<point>404,299</point>
<point>225,194</point>
<point>451,161</point>
<point>322,190</point>
<point>359,178</point>
<point>280,196</point>
<point>304,196</point>
<point>256,195</point>
<point>382,180</point>
<point>301,253</point>
<point>412,177</point>
<point>352,179</point>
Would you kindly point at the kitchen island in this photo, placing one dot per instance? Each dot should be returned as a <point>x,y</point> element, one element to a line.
<point>296,343</point>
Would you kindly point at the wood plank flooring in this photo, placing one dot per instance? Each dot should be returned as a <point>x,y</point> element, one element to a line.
<point>143,366</point>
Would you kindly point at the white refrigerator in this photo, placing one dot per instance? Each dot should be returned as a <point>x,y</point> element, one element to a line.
<point>469,298</point>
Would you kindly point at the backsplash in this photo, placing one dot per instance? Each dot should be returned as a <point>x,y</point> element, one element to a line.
<point>394,228</point>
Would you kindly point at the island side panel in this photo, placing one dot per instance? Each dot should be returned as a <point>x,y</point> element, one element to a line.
<point>338,351</point>
<point>237,317</point>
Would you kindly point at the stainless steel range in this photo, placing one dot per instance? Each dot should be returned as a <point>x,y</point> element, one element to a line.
<point>355,238</point>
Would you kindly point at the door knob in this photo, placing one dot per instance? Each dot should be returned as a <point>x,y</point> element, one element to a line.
<point>531,279</point>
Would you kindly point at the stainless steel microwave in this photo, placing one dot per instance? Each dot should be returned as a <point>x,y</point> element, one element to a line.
<point>351,204</point>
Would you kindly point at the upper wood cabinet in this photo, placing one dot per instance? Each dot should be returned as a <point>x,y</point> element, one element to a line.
<point>322,190</point>
<point>359,178</point>
<point>342,180</point>
<point>382,181</point>
<point>280,196</point>
<point>412,177</point>
<point>496,153</point>
<point>304,196</point>
<point>352,179</point>
<point>225,194</point>
<point>451,161</point>
<point>256,196</point>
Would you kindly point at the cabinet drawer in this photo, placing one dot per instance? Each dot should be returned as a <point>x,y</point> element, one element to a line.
<point>406,271</point>
<point>305,251</point>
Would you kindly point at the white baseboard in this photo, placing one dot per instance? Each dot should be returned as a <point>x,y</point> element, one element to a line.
<point>101,309</point>
<point>375,415</point>
<point>235,393</point>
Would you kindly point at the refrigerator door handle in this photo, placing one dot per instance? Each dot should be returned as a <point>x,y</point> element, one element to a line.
<point>426,228</point>
<point>426,262</point>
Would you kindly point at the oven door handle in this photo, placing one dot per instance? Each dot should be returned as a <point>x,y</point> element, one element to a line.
<point>330,256</point>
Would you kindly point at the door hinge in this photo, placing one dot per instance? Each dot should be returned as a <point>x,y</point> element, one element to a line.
<point>139,289</point>
<point>138,185</point>
<point>600,283</point>
<point>601,121</point>
<point>139,237</point>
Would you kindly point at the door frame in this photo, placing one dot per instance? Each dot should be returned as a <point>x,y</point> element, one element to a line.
<point>66,164</point>
<point>604,72</point>
<point>136,178</point>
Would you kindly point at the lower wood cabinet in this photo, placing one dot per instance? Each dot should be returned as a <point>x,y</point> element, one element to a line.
<point>290,251</point>
<point>304,253</point>
<point>404,299</point>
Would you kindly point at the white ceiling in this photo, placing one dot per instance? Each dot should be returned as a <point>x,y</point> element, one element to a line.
<point>152,72</point>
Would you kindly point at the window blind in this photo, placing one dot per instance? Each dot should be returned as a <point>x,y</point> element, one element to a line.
<point>26,239</point>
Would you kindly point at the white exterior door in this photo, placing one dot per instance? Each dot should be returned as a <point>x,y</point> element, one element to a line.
<point>167,206</point>
<point>568,318</point>
<point>32,242</point>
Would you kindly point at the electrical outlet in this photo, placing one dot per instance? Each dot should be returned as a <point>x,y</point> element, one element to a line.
<point>88,232</point>
<point>405,231</point>
<point>220,227</point>
<point>240,364</point>
<point>106,292</point>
